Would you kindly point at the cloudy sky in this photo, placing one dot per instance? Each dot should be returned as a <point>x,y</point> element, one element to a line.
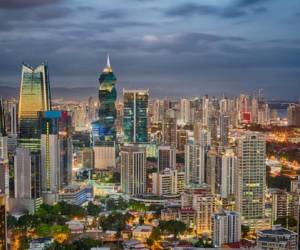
<point>172,47</point>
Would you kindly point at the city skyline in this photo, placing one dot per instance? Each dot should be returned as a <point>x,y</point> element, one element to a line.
<point>212,48</point>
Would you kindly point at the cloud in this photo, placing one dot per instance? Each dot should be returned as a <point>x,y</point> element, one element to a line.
<point>21,4</point>
<point>112,14</point>
<point>236,10</point>
<point>246,3</point>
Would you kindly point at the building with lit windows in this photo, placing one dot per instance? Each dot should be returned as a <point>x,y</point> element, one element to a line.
<point>169,131</point>
<point>104,129</point>
<point>277,238</point>
<point>104,132</point>
<point>27,181</point>
<point>50,156</point>
<point>3,135</point>
<point>251,153</point>
<point>135,116</point>
<point>166,158</point>
<point>167,182</point>
<point>226,228</point>
<point>133,170</point>
<point>34,97</point>
<point>194,164</point>
<point>3,223</point>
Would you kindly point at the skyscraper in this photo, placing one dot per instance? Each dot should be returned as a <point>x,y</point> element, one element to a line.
<point>3,135</point>
<point>169,132</point>
<point>133,170</point>
<point>194,164</point>
<point>224,130</point>
<point>166,158</point>
<point>3,224</point>
<point>104,131</point>
<point>34,97</point>
<point>27,180</point>
<point>50,156</point>
<point>135,116</point>
<point>252,177</point>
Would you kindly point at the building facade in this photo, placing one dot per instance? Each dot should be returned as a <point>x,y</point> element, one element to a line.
<point>135,116</point>
<point>133,170</point>
<point>35,96</point>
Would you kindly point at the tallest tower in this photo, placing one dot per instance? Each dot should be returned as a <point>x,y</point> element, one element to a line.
<point>104,130</point>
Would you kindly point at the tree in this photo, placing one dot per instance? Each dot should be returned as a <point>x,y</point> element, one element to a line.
<point>141,220</point>
<point>12,222</point>
<point>173,227</point>
<point>155,234</point>
<point>93,209</point>
<point>149,242</point>
<point>245,230</point>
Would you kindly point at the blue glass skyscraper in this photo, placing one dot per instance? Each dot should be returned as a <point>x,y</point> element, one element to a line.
<point>103,130</point>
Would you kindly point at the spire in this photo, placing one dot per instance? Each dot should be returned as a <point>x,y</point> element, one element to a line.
<point>108,66</point>
<point>108,61</point>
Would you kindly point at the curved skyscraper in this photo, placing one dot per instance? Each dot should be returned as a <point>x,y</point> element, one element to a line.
<point>104,131</point>
<point>34,98</point>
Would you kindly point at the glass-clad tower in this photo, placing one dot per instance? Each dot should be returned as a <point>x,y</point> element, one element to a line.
<point>103,130</point>
<point>135,116</point>
<point>2,119</point>
<point>34,97</point>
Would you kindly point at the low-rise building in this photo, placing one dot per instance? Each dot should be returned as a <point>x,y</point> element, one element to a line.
<point>142,232</point>
<point>277,238</point>
<point>76,194</point>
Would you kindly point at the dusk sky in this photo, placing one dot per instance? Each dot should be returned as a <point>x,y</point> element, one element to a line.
<point>172,47</point>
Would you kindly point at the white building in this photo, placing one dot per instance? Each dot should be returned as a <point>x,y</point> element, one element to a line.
<point>168,182</point>
<point>104,157</point>
<point>226,228</point>
<point>50,156</point>
<point>229,178</point>
<point>251,154</point>
<point>133,170</point>
<point>185,111</point>
<point>194,164</point>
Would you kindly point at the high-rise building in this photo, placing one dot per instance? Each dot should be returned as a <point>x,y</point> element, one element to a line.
<point>226,228</point>
<point>103,130</point>
<point>185,111</point>
<point>229,171</point>
<point>202,201</point>
<point>3,223</point>
<point>251,153</point>
<point>27,180</point>
<point>135,116</point>
<point>3,135</point>
<point>34,97</point>
<point>4,177</point>
<point>167,182</point>
<point>133,170</point>
<point>293,115</point>
<point>182,137</point>
<point>169,134</point>
<point>224,130</point>
<point>166,158</point>
<point>13,119</point>
<point>194,164</point>
<point>284,204</point>
<point>50,156</point>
